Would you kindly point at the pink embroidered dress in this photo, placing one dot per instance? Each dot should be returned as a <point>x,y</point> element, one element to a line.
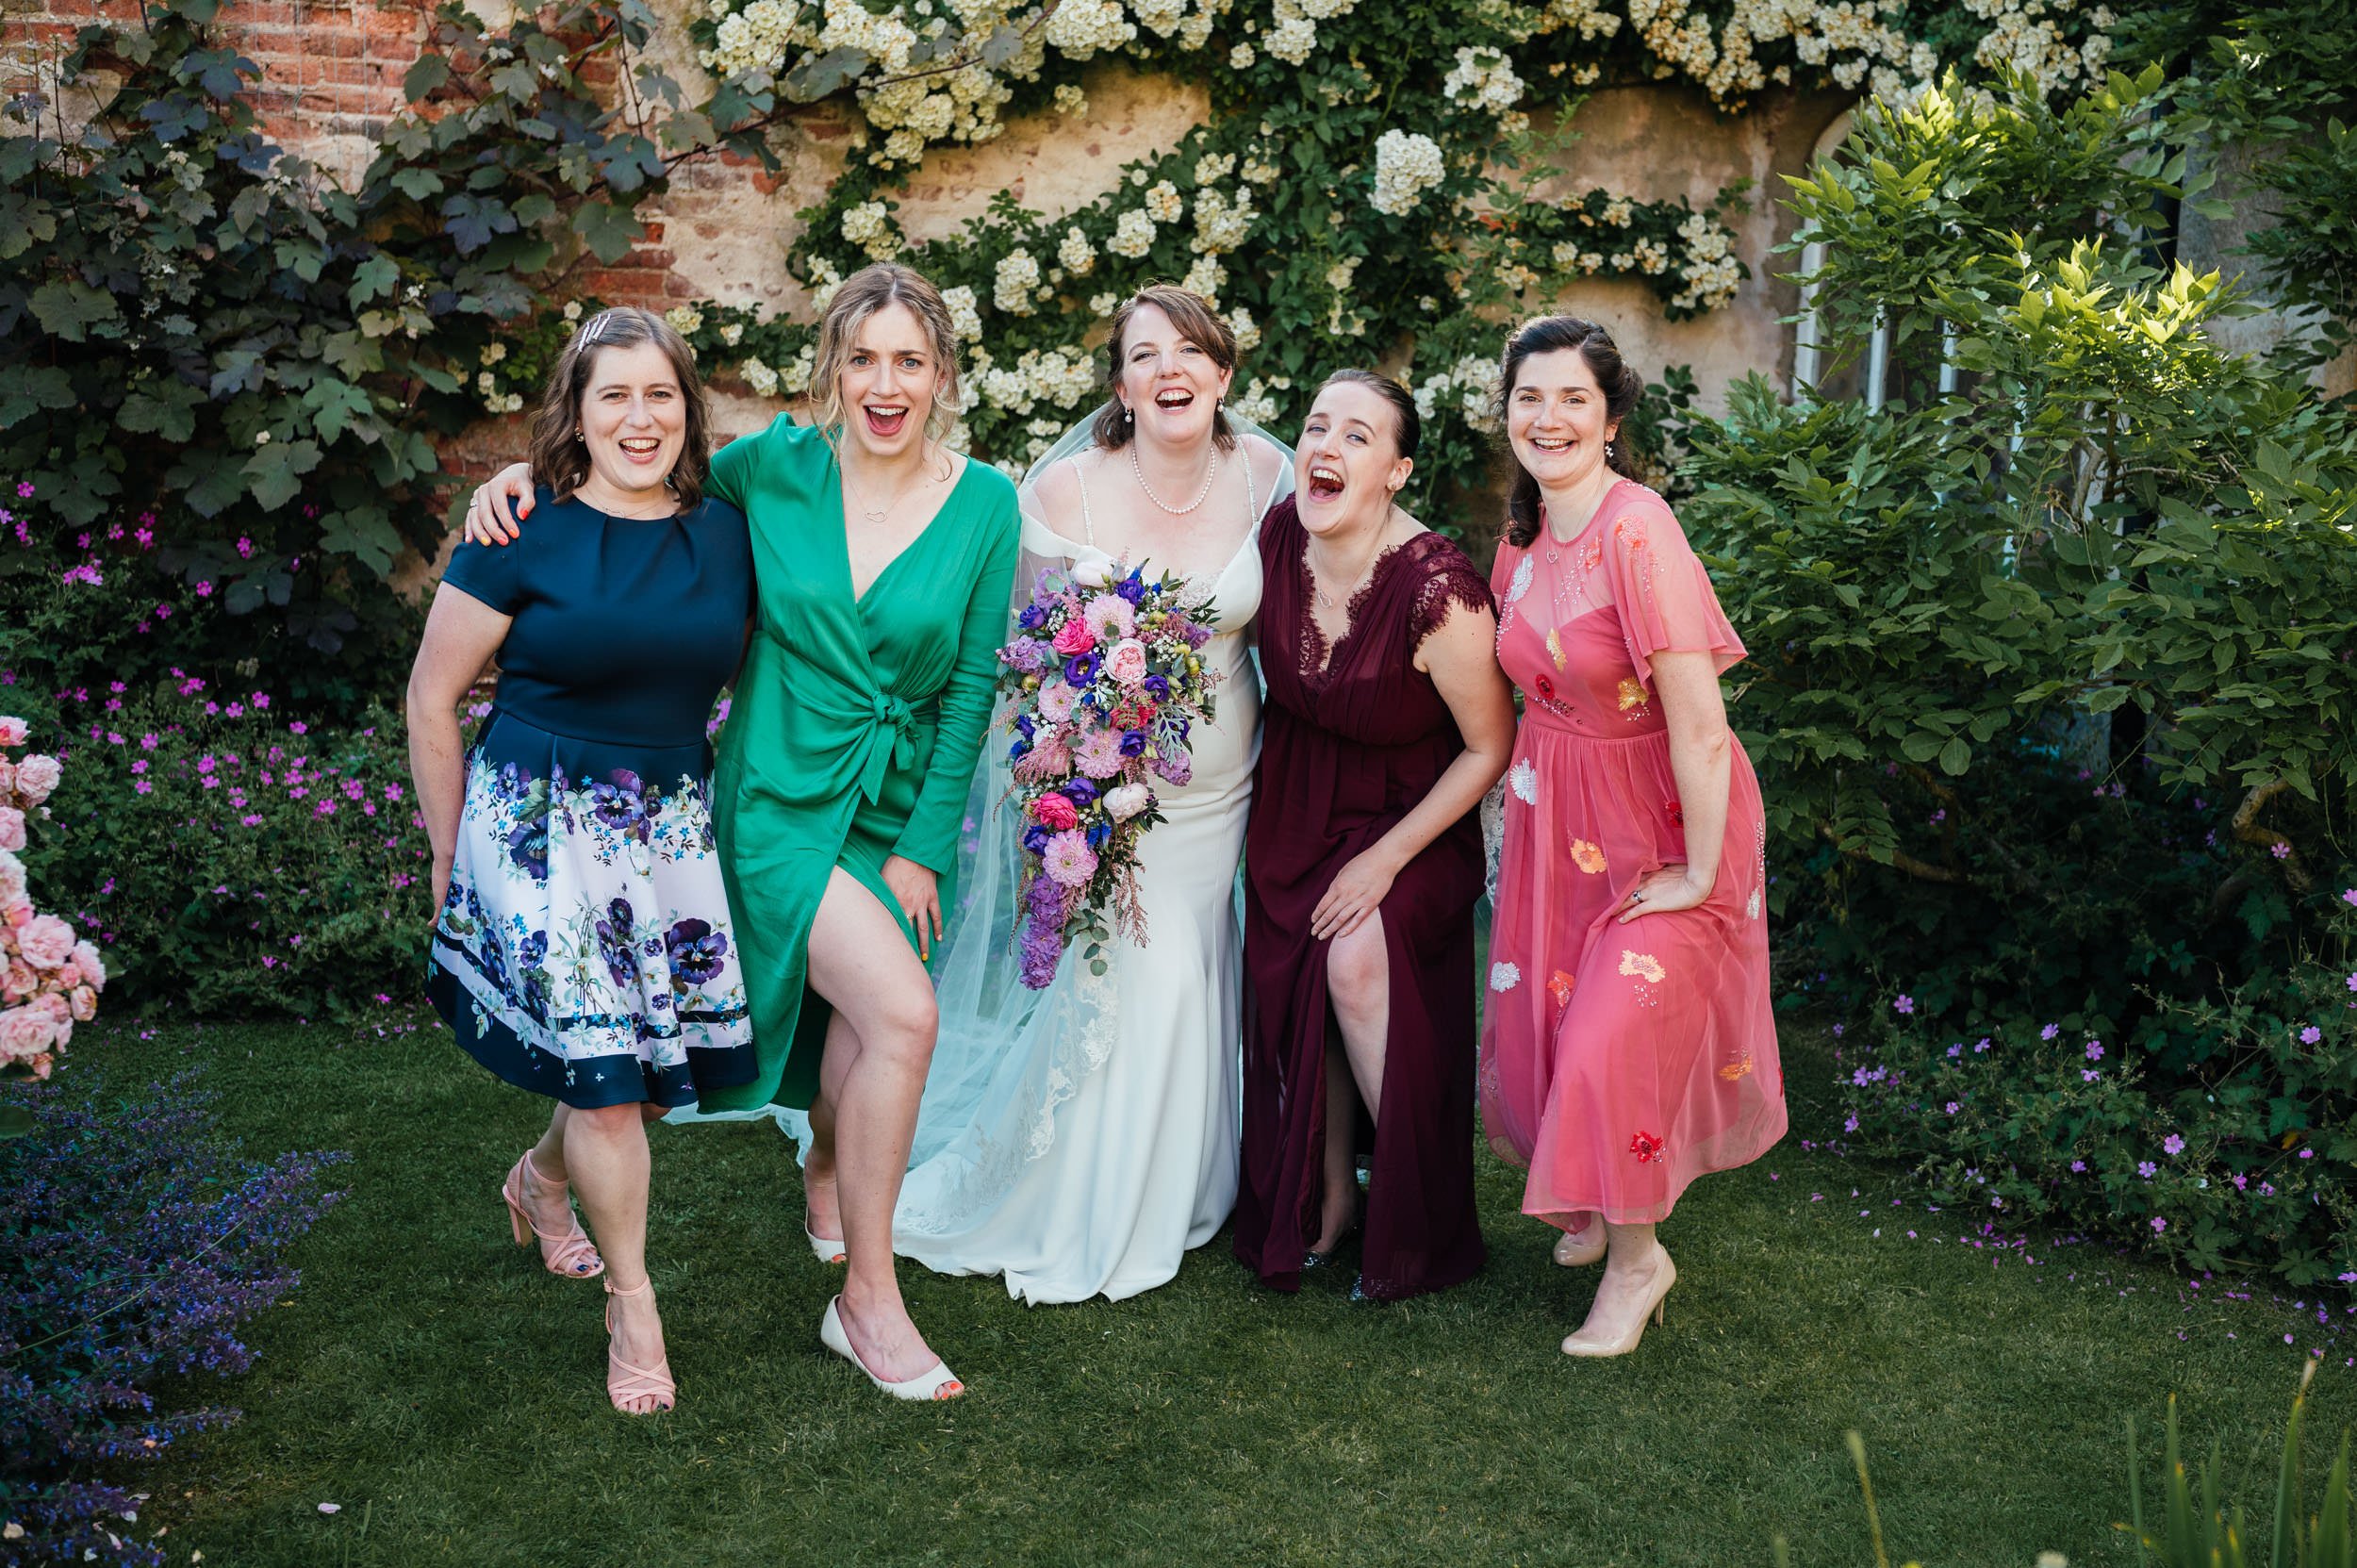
<point>1619,1061</point>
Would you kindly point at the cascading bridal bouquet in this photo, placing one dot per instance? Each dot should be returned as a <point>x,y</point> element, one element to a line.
<point>1107,677</point>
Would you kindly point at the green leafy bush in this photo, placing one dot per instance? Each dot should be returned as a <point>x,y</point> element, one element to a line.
<point>2053,694</point>
<point>234,861</point>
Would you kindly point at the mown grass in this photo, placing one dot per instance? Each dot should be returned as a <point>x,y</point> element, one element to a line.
<point>447,1396</point>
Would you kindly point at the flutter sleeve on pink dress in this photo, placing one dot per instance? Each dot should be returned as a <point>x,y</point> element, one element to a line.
<point>1666,601</point>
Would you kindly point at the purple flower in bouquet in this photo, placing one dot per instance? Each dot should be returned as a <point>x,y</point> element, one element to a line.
<point>1081,668</point>
<point>1042,942</point>
<point>1069,860</point>
<point>1173,768</point>
<point>1035,838</point>
<point>1134,743</point>
<point>1080,792</point>
<point>1156,688</point>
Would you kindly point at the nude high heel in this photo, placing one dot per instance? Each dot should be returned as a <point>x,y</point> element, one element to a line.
<point>1597,1349</point>
<point>938,1382</point>
<point>569,1252</point>
<point>1575,1249</point>
<point>625,1382</point>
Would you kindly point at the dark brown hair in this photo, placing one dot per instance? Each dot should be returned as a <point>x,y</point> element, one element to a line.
<point>871,289</point>
<point>1622,388</point>
<point>560,459</point>
<point>1407,424</point>
<point>1198,323</point>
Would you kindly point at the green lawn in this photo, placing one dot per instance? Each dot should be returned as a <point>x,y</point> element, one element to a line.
<point>448,1396</point>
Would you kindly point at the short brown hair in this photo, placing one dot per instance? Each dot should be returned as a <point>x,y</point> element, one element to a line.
<point>1198,323</point>
<point>560,459</point>
<point>859,296</point>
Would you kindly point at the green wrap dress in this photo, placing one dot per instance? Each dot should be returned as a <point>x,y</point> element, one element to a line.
<point>855,724</point>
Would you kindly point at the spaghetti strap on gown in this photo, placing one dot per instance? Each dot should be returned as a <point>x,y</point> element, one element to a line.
<point>1356,736</point>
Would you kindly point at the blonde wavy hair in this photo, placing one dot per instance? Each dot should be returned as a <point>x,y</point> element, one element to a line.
<point>861,295</point>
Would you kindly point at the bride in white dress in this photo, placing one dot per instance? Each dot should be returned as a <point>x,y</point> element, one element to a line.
<point>1080,1139</point>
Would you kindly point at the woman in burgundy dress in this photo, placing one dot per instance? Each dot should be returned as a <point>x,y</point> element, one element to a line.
<point>1386,720</point>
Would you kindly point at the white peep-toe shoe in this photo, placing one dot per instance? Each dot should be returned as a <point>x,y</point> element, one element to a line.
<point>825,1250</point>
<point>938,1382</point>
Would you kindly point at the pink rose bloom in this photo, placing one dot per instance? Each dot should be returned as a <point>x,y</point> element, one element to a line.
<point>65,1034</point>
<point>36,776</point>
<point>93,967</point>
<point>7,776</point>
<point>1110,616</point>
<point>1056,700</point>
<point>67,977</point>
<point>1128,800</point>
<point>1072,638</point>
<point>26,1031</point>
<point>11,828</point>
<point>1125,664</point>
<point>18,915</point>
<point>12,731</point>
<point>1099,756</point>
<point>60,1011</point>
<point>45,941</point>
<point>84,1002</point>
<point>12,881</point>
<point>1069,860</point>
<point>18,982</point>
<point>1054,810</point>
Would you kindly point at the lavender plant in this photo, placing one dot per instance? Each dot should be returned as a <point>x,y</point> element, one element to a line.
<point>134,1244</point>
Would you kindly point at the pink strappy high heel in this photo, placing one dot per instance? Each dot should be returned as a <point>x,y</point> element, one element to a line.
<point>625,1382</point>
<point>570,1253</point>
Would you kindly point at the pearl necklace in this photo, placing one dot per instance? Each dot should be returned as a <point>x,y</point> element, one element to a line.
<point>1209,474</point>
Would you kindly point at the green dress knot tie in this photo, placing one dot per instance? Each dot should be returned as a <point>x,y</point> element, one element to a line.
<point>891,743</point>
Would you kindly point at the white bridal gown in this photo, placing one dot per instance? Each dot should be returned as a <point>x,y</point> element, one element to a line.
<point>1079,1140</point>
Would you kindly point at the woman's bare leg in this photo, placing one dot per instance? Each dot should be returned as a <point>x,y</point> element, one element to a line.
<point>606,1157</point>
<point>879,1048</point>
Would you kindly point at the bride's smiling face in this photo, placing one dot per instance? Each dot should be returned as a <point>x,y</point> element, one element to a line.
<point>1170,383</point>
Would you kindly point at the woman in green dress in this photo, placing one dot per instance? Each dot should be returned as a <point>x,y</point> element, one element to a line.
<point>883,564</point>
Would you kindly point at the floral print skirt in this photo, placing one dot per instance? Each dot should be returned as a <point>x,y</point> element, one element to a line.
<point>1621,1061</point>
<point>584,950</point>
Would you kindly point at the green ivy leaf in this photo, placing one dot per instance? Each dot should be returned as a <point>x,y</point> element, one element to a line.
<point>417,184</point>
<point>274,473</point>
<point>373,278</point>
<point>166,408</point>
<point>68,310</point>
<point>609,231</point>
<point>430,71</point>
<point>30,390</point>
<point>363,533</point>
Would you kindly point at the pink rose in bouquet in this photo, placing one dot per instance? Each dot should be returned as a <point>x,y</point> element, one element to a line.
<point>37,778</point>
<point>7,776</point>
<point>84,1002</point>
<point>18,982</point>
<point>11,828</point>
<point>1073,637</point>
<point>45,941</point>
<point>1055,813</point>
<point>13,730</point>
<point>1126,664</point>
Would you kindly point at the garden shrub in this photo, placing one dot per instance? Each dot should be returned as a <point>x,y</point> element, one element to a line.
<point>2052,694</point>
<point>234,861</point>
<point>133,1246</point>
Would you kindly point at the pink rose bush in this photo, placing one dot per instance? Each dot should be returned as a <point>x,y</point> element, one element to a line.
<point>1106,678</point>
<point>49,978</point>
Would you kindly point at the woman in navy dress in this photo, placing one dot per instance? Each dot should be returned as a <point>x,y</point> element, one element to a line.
<point>583,948</point>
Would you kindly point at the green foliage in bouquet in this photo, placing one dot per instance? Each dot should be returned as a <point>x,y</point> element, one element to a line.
<point>2053,693</point>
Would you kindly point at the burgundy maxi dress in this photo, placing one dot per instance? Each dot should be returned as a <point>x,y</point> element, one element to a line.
<point>1350,746</point>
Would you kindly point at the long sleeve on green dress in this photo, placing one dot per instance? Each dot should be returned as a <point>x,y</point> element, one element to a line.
<point>931,838</point>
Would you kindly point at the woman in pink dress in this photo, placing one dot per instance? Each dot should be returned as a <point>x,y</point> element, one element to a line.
<point>1628,1044</point>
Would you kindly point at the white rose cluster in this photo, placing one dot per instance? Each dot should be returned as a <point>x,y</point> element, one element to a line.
<point>1060,376</point>
<point>1709,269</point>
<point>1160,17</point>
<point>1257,403</point>
<point>1247,331</point>
<point>686,319</point>
<point>1221,224</point>
<point>1484,80</point>
<point>2024,40</point>
<point>1473,382</point>
<point>1133,234</point>
<point>1163,204</point>
<point>1076,256</point>
<point>1016,283</point>
<point>869,226</point>
<point>1206,277</point>
<point>1406,164</point>
<point>965,313</point>
<point>1080,28</point>
<point>1589,18</point>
